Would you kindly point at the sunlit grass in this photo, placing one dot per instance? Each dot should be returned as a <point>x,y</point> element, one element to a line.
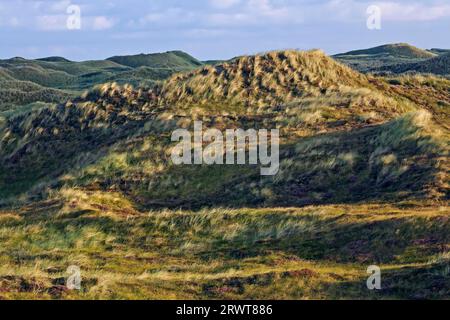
<point>277,253</point>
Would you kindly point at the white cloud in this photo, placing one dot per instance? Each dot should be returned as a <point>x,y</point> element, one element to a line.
<point>51,15</point>
<point>103,15</point>
<point>394,11</point>
<point>58,6</point>
<point>266,9</point>
<point>235,19</point>
<point>102,23</point>
<point>223,4</point>
<point>171,16</point>
<point>14,22</point>
<point>260,5</point>
<point>205,33</point>
<point>59,23</point>
<point>51,22</point>
<point>256,12</point>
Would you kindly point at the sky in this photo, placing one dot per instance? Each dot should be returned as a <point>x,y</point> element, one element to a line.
<point>214,29</point>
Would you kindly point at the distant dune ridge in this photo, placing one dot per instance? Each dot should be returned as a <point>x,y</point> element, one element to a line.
<point>397,58</point>
<point>54,79</point>
<point>170,59</point>
<point>439,65</point>
<point>398,50</point>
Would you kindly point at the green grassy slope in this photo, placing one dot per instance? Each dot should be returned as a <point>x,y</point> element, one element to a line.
<point>60,74</point>
<point>170,60</point>
<point>16,92</point>
<point>439,65</point>
<point>384,57</point>
<point>396,50</point>
<point>54,59</point>
<point>53,74</point>
<point>213,62</point>
<point>439,51</point>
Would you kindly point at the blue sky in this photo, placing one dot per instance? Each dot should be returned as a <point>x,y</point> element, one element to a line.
<point>214,29</point>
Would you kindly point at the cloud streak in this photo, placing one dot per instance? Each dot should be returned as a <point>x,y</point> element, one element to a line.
<point>394,11</point>
<point>104,15</point>
<point>217,27</point>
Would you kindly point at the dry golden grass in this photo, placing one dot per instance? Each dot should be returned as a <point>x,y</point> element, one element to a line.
<point>316,252</point>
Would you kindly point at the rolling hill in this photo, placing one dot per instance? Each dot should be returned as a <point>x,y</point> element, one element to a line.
<point>394,50</point>
<point>384,57</point>
<point>54,59</point>
<point>169,60</point>
<point>57,78</point>
<point>440,51</point>
<point>439,65</point>
<point>15,92</point>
